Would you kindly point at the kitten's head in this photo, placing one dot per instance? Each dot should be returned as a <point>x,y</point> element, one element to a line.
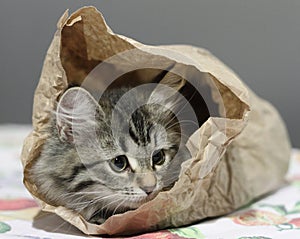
<point>122,154</point>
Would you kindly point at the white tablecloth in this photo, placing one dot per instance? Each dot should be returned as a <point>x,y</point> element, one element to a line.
<point>275,216</point>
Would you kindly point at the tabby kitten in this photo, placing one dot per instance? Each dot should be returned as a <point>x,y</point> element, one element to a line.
<point>104,158</point>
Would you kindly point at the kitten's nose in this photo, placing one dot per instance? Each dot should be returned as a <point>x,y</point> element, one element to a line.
<point>147,182</point>
<point>148,189</point>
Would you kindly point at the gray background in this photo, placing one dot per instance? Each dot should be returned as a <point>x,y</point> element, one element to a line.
<point>259,39</point>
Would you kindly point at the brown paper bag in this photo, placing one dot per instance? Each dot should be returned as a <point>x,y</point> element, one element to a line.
<point>237,156</point>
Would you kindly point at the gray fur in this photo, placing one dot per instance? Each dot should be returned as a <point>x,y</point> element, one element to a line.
<point>73,169</point>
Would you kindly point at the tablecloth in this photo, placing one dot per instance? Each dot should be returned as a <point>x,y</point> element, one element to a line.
<point>274,216</point>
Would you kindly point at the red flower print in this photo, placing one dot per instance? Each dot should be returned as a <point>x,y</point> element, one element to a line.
<point>158,235</point>
<point>295,222</point>
<point>259,218</point>
<point>16,204</point>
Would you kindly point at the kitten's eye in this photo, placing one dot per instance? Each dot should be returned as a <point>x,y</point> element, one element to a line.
<point>119,163</point>
<point>158,157</point>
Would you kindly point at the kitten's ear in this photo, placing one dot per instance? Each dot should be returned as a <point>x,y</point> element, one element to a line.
<point>76,110</point>
<point>167,91</point>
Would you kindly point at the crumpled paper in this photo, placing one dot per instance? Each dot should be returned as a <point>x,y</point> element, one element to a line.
<point>237,156</point>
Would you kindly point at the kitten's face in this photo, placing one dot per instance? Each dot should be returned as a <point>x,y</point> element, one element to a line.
<point>137,164</point>
<point>108,158</point>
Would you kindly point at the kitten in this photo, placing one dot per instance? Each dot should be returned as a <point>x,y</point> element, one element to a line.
<point>104,158</point>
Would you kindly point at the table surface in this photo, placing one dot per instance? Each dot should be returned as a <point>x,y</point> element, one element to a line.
<point>274,216</point>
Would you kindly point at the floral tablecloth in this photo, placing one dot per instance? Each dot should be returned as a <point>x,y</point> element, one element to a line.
<point>275,216</point>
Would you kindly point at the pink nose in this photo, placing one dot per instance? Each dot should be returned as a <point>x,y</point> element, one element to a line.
<point>147,182</point>
<point>148,189</point>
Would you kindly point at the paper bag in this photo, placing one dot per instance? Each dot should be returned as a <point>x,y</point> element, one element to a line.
<point>238,154</point>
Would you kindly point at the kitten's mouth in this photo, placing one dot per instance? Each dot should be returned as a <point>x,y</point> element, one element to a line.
<point>152,195</point>
<point>133,201</point>
<point>137,201</point>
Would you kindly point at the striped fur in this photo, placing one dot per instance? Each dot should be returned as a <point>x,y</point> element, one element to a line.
<point>74,169</point>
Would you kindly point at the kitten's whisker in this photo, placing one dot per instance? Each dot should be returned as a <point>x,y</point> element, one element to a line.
<point>101,198</point>
<point>93,202</point>
<point>83,203</point>
<point>174,118</point>
<point>187,102</point>
<point>115,210</point>
<point>76,199</point>
<point>81,192</point>
<point>90,202</point>
<point>181,108</point>
<point>179,134</point>
<point>126,193</point>
<point>107,205</point>
<point>182,122</point>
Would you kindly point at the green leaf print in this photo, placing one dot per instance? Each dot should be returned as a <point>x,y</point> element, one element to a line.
<point>282,210</point>
<point>188,232</point>
<point>296,184</point>
<point>278,208</point>
<point>296,208</point>
<point>4,227</point>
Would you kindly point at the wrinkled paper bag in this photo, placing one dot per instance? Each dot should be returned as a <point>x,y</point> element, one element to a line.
<point>236,157</point>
